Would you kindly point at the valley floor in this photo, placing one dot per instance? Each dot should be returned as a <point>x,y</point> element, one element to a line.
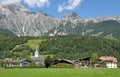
<point>60,72</point>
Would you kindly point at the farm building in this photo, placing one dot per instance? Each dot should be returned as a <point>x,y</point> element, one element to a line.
<point>83,62</point>
<point>111,62</point>
<point>17,63</point>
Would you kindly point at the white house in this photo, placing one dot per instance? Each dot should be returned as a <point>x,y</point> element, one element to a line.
<point>111,62</point>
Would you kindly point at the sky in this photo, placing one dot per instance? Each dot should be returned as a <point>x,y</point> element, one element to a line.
<point>84,8</point>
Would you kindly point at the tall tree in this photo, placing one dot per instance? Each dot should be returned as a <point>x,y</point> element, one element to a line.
<point>48,61</point>
<point>95,58</point>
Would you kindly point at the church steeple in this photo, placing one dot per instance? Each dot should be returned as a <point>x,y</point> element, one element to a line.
<point>36,53</point>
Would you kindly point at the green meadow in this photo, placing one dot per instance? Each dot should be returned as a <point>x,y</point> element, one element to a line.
<point>34,43</point>
<point>59,72</point>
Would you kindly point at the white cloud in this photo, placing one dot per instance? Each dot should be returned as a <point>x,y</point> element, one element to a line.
<point>5,2</point>
<point>70,5</point>
<point>37,3</point>
<point>30,3</point>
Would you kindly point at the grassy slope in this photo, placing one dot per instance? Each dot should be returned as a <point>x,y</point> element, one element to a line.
<point>98,34</point>
<point>34,43</point>
<point>110,36</point>
<point>59,73</point>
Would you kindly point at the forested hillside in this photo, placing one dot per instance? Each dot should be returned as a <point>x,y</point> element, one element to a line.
<point>106,27</point>
<point>101,29</point>
<point>7,40</point>
<point>72,47</point>
<point>69,47</point>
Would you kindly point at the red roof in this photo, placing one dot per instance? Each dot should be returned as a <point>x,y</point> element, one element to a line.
<point>108,59</point>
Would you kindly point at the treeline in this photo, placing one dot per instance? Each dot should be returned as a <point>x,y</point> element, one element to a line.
<point>74,47</point>
<point>8,41</point>
<point>6,38</point>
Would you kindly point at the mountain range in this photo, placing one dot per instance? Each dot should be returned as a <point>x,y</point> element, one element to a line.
<point>23,22</point>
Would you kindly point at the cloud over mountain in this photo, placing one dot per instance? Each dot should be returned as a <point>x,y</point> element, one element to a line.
<point>69,5</point>
<point>37,3</point>
<point>30,3</point>
<point>5,2</point>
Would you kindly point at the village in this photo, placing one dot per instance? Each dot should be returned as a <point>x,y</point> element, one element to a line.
<point>104,62</point>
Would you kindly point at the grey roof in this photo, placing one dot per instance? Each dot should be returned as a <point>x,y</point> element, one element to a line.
<point>16,61</point>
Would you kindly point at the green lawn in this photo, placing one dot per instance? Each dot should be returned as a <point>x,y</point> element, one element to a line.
<point>59,72</point>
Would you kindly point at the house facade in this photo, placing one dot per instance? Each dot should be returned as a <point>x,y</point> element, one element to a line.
<point>111,62</point>
<point>83,62</point>
<point>17,63</point>
<point>25,63</point>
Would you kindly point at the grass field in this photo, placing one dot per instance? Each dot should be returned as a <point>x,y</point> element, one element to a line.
<point>34,44</point>
<point>59,72</point>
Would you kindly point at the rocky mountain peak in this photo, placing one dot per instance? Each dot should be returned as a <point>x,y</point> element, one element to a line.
<point>16,7</point>
<point>72,15</point>
<point>118,17</point>
<point>22,22</point>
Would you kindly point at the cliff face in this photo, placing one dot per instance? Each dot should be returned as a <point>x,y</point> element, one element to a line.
<point>22,22</point>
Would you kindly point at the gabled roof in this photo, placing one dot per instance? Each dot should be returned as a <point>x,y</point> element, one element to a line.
<point>86,58</point>
<point>62,61</point>
<point>108,59</point>
<point>15,60</point>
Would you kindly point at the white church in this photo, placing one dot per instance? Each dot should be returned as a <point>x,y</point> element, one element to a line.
<point>38,59</point>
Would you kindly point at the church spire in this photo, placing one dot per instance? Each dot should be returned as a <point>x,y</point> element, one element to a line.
<point>36,53</point>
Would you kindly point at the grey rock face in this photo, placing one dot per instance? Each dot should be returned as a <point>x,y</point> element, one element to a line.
<point>72,24</point>
<point>23,22</point>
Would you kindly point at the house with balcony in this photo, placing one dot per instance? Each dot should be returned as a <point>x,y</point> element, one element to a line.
<point>111,62</point>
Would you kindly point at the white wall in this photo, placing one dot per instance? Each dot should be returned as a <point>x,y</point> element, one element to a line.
<point>111,65</point>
